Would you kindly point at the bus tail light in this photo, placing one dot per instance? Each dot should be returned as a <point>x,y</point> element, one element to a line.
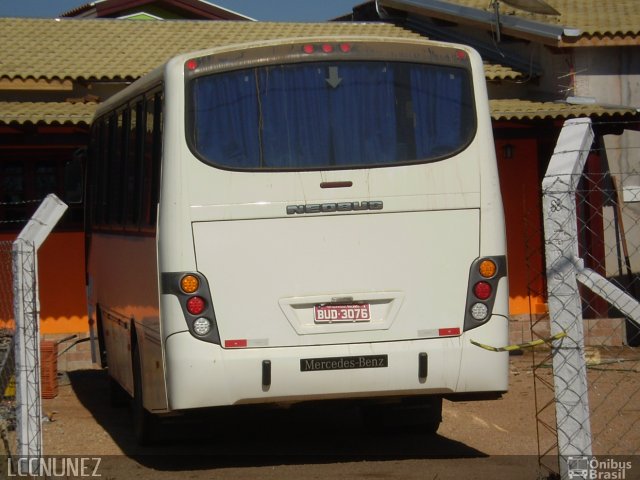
<point>194,296</point>
<point>484,275</point>
<point>482,290</point>
<point>196,305</point>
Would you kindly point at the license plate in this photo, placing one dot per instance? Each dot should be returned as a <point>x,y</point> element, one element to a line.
<point>358,312</point>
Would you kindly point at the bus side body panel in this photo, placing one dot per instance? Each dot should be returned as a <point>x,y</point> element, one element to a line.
<point>124,286</point>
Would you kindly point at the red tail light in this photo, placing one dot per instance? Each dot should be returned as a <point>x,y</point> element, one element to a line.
<point>482,290</point>
<point>196,305</point>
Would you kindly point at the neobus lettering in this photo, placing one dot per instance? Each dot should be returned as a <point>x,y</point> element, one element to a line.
<point>334,207</point>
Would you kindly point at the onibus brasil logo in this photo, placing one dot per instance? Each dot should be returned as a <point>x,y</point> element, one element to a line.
<point>593,468</point>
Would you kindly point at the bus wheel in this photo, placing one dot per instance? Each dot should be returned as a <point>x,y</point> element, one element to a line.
<point>144,423</point>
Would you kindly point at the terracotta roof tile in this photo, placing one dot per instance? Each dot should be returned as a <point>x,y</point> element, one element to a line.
<point>516,109</point>
<point>50,113</point>
<point>494,71</point>
<point>47,113</point>
<point>107,49</point>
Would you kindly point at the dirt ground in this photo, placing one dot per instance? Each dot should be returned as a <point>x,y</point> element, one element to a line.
<point>487,439</point>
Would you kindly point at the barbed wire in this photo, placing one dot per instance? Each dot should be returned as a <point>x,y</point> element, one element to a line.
<point>16,203</point>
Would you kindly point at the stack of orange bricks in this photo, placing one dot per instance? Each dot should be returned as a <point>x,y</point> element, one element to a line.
<point>49,369</point>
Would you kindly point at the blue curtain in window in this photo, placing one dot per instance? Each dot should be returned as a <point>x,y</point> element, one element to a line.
<point>294,116</point>
<point>364,115</point>
<point>226,119</point>
<point>324,115</point>
<point>437,101</point>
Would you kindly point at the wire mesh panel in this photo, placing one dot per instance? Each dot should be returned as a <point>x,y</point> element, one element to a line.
<point>588,383</point>
<point>27,353</point>
<point>7,329</point>
<point>27,316</point>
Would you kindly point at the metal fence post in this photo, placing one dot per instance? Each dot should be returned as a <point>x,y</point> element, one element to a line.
<point>27,316</point>
<point>565,309</point>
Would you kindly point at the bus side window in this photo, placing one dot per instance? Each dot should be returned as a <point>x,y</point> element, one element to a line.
<point>102,171</point>
<point>151,159</point>
<point>132,169</point>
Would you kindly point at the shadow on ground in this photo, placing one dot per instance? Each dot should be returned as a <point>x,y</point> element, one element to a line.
<point>252,436</point>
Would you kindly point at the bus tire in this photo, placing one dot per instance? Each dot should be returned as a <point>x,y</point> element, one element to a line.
<point>144,422</point>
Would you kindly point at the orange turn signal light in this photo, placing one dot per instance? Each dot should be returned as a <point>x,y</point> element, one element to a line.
<point>189,283</point>
<point>487,268</point>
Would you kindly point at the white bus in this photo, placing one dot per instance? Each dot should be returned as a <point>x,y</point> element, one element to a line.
<point>299,220</point>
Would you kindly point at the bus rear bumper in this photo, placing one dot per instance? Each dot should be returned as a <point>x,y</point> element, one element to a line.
<point>201,375</point>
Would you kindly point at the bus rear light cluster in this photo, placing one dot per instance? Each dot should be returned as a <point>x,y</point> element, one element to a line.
<point>193,293</point>
<point>483,283</point>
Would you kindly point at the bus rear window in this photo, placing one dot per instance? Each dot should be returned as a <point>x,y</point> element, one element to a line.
<point>330,115</point>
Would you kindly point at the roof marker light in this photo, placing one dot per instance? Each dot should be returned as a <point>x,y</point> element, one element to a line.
<point>327,48</point>
<point>345,47</point>
<point>308,48</point>
<point>192,64</point>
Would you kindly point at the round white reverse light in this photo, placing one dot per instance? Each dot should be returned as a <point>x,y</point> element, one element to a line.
<point>202,326</point>
<point>479,311</point>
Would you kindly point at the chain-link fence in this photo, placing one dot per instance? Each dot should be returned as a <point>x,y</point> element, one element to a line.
<point>588,383</point>
<point>7,330</point>
<point>20,408</point>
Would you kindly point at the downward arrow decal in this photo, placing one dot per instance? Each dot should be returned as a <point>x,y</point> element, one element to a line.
<point>333,79</point>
